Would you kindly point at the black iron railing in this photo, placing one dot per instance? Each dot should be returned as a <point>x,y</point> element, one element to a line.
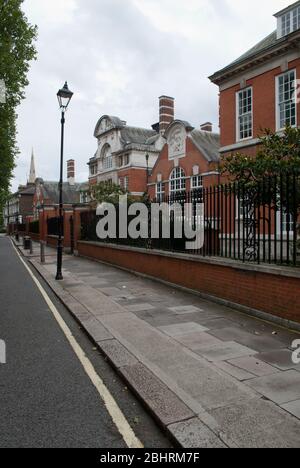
<point>250,222</point>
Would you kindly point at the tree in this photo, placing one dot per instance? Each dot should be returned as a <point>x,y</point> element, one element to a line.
<point>278,153</point>
<point>274,173</point>
<point>17,50</point>
<point>109,192</point>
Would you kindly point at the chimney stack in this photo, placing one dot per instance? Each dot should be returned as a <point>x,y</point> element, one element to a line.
<point>71,171</point>
<point>207,127</point>
<point>166,112</point>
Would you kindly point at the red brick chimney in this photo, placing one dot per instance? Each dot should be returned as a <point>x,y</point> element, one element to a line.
<point>207,127</point>
<point>166,112</point>
<point>71,171</point>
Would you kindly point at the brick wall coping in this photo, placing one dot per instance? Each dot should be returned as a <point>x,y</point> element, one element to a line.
<point>277,270</point>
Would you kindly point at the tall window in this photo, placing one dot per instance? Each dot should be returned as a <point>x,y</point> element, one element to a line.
<point>286,100</point>
<point>177,180</point>
<point>126,183</point>
<point>107,157</point>
<point>286,24</point>
<point>244,114</point>
<point>296,18</point>
<point>160,191</point>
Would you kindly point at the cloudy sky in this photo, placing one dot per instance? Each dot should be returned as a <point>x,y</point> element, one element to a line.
<point>118,57</point>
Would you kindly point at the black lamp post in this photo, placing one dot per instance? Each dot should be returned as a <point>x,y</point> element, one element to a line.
<point>147,161</point>
<point>64,96</point>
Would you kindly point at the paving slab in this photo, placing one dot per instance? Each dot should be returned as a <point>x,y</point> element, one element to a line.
<point>260,343</point>
<point>246,422</point>
<point>163,403</point>
<point>139,307</point>
<point>281,388</point>
<point>96,330</point>
<point>281,359</point>
<point>118,354</point>
<point>254,365</point>
<point>194,341</point>
<point>194,434</point>
<point>224,351</point>
<point>293,407</point>
<point>182,329</point>
<point>189,309</point>
<point>235,372</point>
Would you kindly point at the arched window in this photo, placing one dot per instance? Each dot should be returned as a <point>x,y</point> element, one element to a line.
<point>177,180</point>
<point>107,157</point>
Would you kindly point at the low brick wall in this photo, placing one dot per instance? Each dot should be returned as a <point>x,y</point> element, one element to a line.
<point>270,289</point>
<point>34,236</point>
<point>52,241</point>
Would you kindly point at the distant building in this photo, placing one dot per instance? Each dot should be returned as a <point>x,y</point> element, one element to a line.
<point>124,152</point>
<point>46,194</point>
<point>259,89</point>
<point>19,205</point>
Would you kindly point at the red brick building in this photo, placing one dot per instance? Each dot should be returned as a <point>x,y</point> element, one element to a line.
<point>189,160</point>
<point>258,90</point>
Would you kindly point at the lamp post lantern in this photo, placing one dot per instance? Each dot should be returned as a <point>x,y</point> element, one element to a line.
<point>64,97</point>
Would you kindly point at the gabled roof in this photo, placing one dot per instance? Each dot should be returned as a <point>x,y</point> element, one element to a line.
<point>208,143</point>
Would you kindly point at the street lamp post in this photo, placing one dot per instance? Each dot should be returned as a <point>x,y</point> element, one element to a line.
<point>64,96</point>
<point>147,162</point>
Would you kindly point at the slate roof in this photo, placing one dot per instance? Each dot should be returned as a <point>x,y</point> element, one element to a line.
<point>208,143</point>
<point>71,193</point>
<point>266,43</point>
<point>137,135</point>
<point>28,191</point>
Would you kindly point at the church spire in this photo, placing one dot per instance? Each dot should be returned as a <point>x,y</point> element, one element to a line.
<point>32,175</point>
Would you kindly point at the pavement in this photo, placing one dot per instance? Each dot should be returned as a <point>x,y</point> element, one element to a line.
<point>47,398</point>
<point>211,376</point>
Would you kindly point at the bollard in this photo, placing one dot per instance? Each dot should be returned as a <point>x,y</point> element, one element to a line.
<point>42,244</point>
<point>31,247</point>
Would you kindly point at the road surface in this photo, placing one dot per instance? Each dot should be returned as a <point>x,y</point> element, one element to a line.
<point>47,397</point>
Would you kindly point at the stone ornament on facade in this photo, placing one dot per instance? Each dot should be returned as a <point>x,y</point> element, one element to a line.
<point>177,142</point>
<point>105,125</point>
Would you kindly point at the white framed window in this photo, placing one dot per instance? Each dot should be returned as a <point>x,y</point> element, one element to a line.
<point>286,111</point>
<point>289,22</point>
<point>126,183</point>
<point>286,24</point>
<point>285,223</point>
<point>177,180</point>
<point>107,157</point>
<point>197,182</point>
<point>121,182</point>
<point>160,191</point>
<point>244,104</point>
<point>296,18</point>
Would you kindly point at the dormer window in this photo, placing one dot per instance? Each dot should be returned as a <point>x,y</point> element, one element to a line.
<point>288,21</point>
